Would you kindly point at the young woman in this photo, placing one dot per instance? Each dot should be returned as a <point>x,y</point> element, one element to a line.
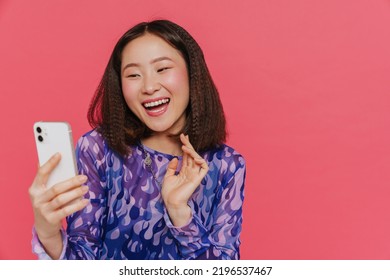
<point>156,179</point>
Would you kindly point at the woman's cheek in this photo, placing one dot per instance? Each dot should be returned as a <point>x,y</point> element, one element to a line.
<point>178,80</point>
<point>129,90</point>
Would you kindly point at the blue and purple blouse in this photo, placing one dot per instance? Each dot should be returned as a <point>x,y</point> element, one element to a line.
<point>127,219</point>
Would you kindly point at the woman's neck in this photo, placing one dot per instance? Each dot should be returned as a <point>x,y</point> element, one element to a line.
<point>163,144</point>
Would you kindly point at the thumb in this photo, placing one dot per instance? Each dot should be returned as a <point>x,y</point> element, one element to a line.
<point>45,170</point>
<point>172,167</point>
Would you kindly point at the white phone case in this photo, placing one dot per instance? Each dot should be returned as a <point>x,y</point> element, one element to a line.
<point>51,138</point>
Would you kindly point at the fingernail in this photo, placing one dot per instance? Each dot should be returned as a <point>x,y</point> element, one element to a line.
<point>84,189</point>
<point>82,178</point>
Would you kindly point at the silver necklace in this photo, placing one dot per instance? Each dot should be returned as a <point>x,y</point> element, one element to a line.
<point>148,163</point>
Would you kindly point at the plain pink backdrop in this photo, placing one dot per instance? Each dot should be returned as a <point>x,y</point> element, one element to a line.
<point>306,90</point>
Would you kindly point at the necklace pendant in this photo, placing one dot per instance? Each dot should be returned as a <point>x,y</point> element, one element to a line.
<point>148,160</point>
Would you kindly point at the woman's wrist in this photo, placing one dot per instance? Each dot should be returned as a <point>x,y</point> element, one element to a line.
<point>52,244</point>
<point>179,214</point>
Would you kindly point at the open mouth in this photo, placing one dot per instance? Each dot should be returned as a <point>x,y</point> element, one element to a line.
<point>156,105</point>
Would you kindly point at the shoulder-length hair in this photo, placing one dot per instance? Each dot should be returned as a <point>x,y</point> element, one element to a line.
<point>110,115</point>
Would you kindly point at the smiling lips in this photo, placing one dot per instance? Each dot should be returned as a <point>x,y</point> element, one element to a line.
<point>157,107</point>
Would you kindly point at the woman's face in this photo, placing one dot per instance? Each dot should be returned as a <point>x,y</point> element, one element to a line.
<point>155,83</point>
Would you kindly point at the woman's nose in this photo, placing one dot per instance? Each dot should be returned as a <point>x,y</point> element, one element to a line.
<point>151,85</point>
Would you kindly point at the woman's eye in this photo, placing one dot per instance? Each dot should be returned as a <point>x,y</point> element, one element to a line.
<point>162,69</point>
<point>132,76</point>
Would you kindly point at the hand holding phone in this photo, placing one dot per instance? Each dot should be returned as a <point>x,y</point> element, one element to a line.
<point>57,191</point>
<point>52,138</point>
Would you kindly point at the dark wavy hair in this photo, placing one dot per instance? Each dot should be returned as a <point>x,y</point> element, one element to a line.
<point>110,115</point>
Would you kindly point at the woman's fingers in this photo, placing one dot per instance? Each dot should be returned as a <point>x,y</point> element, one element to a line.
<point>63,187</point>
<point>172,167</point>
<point>60,201</point>
<point>178,189</point>
<point>186,143</point>
<point>55,217</point>
<point>190,160</point>
<point>45,170</point>
<point>185,161</point>
<point>185,139</point>
<point>195,157</point>
<point>52,205</point>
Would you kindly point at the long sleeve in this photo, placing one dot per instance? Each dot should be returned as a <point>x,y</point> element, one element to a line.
<point>215,227</point>
<point>84,231</point>
<point>82,238</point>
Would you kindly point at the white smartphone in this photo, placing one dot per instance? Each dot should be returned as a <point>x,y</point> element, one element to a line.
<point>51,138</point>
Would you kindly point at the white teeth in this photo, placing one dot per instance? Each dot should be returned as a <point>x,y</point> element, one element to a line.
<point>156,103</point>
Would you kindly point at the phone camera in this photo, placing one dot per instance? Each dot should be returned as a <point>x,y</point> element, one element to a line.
<point>40,138</point>
<point>39,130</point>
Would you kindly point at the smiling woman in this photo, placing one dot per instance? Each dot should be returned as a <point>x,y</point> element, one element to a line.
<point>156,87</point>
<point>161,183</point>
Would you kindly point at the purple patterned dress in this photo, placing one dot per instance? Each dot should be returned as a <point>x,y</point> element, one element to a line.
<point>127,219</point>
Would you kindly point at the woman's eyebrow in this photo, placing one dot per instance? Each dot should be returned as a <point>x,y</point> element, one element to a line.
<point>161,58</point>
<point>157,59</point>
<point>130,65</point>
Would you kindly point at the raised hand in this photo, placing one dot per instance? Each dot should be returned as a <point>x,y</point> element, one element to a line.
<point>177,189</point>
<point>52,205</point>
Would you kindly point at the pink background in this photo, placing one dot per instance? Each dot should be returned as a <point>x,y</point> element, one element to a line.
<point>306,90</point>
